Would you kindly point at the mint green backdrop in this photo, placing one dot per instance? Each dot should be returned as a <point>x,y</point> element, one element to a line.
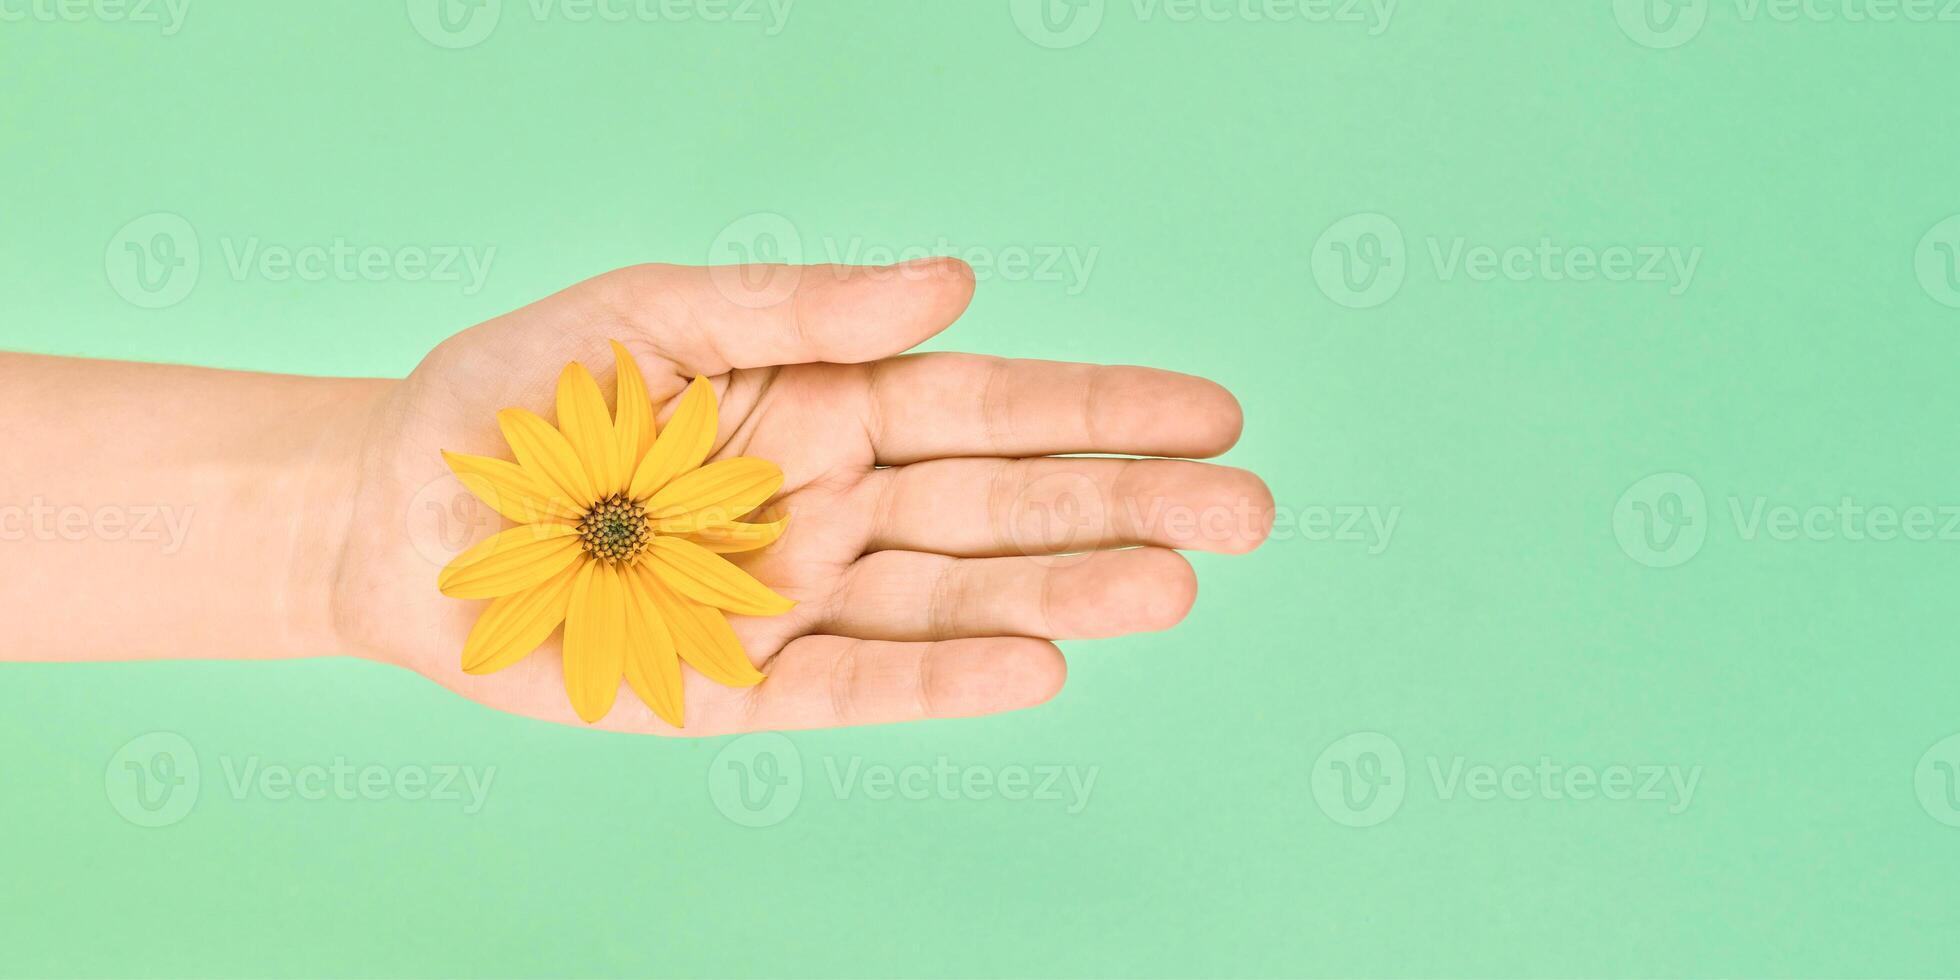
<point>1645,327</point>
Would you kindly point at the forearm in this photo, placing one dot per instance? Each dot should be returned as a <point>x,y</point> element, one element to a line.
<point>149,511</point>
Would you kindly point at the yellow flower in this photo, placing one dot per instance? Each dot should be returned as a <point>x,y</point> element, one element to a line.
<point>620,536</point>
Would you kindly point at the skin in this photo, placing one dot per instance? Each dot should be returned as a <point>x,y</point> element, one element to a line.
<point>941,535</point>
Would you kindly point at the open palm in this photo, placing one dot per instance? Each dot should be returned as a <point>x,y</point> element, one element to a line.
<point>928,493</point>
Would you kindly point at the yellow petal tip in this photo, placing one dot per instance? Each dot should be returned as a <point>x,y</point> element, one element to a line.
<point>483,667</point>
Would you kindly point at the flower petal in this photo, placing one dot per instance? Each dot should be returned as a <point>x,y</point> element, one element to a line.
<point>702,635</point>
<point>683,444</point>
<point>587,425</point>
<point>516,624</point>
<point>708,578</point>
<point>653,668</point>
<point>510,489</point>
<point>510,561</point>
<point>633,412</point>
<point>735,536</point>
<point>544,451</point>
<point>717,493</point>
<point>595,640</point>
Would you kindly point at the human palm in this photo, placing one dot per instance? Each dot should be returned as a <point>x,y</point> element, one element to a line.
<point>928,494</point>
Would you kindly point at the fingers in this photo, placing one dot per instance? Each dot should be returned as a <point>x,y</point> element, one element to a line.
<point>832,681</point>
<point>909,595</point>
<point>997,507</point>
<point>709,320</point>
<point>939,405</point>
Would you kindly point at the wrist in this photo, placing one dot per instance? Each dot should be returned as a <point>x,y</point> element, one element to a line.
<point>313,506</point>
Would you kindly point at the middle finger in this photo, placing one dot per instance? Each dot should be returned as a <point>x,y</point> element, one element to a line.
<point>1058,505</point>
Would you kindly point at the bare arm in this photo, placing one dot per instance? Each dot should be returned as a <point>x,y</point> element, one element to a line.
<point>151,511</point>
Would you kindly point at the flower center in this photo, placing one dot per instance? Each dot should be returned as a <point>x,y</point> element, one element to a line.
<point>614,530</point>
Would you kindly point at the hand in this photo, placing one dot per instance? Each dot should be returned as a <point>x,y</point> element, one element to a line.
<point>925,492</point>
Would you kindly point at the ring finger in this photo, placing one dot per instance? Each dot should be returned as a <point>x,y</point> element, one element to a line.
<point>909,595</point>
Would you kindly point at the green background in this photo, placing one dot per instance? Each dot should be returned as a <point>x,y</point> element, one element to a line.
<point>1199,162</point>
